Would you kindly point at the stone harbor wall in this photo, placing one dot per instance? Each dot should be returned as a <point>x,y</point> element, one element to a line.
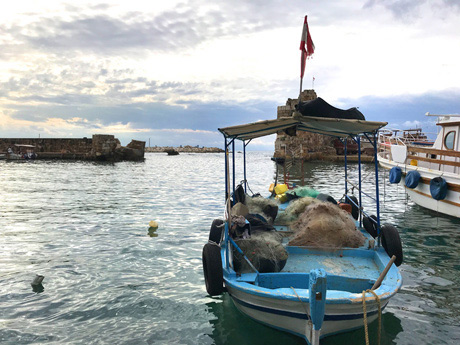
<point>99,147</point>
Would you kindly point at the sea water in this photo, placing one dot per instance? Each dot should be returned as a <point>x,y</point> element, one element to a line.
<point>109,280</point>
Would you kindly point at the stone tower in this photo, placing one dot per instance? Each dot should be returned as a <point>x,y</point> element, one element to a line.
<point>303,145</point>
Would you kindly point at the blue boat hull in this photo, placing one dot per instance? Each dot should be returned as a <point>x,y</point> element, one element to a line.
<point>282,300</point>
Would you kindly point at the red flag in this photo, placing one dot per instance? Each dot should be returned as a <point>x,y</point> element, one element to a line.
<point>306,46</point>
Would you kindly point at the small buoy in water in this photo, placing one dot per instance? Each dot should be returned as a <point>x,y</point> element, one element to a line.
<point>153,224</point>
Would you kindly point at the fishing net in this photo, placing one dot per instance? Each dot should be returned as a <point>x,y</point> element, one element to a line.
<point>265,252</point>
<point>240,209</point>
<point>262,206</point>
<point>303,191</point>
<point>294,209</point>
<point>325,225</point>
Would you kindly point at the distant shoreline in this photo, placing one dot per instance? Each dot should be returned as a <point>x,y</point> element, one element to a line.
<point>184,149</point>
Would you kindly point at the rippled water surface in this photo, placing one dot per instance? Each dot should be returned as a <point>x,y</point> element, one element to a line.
<point>108,280</point>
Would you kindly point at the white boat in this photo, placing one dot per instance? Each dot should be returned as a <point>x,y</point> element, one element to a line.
<point>22,152</point>
<point>429,173</point>
<point>317,291</point>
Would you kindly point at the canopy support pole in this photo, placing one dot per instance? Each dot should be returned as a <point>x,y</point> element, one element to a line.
<point>359,173</point>
<point>244,157</point>
<point>377,186</point>
<point>345,157</point>
<point>226,169</point>
<point>244,166</point>
<point>233,167</point>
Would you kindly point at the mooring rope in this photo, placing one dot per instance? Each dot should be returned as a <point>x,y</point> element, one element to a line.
<point>365,316</point>
<point>306,312</point>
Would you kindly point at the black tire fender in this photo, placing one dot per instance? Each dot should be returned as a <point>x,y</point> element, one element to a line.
<point>392,243</point>
<point>370,226</point>
<point>212,269</point>
<point>354,208</point>
<point>215,233</point>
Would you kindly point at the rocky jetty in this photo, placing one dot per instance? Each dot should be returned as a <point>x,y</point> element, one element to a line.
<point>184,149</point>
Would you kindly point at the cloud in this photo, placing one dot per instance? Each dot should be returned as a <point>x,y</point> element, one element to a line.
<point>413,9</point>
<point>183,68</point>
<point>97,29</point>
<point>183,130</point>
<point>412,124</point>
<point>171,122</point>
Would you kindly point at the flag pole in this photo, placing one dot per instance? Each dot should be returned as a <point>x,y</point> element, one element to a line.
<point>300,91</point>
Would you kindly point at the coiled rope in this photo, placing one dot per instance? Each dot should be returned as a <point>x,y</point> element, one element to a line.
<point>365,316</point>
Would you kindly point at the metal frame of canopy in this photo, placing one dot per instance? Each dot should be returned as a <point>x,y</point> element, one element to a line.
<point>340,128</point>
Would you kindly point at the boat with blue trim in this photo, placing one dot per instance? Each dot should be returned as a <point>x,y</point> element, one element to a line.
<point>312,291</point>
<point>430,173</point>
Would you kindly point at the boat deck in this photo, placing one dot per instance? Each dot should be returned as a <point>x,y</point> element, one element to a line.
<point>352,266</point>
<point>353,263</point>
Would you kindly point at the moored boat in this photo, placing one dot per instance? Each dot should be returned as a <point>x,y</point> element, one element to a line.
<point>313,291</point>
<point>20,152</point>
<point>429,173</point>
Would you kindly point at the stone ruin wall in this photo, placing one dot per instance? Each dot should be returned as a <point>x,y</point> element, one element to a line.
<point>99,147</point>
<point>304,145</point>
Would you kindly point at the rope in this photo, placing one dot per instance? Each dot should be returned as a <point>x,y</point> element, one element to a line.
<point>306,312</point>
<point>365,316</point>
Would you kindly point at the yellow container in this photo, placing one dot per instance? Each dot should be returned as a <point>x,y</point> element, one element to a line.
<point>282,198</point>
<point>280,189</point>
<point>413,162</point>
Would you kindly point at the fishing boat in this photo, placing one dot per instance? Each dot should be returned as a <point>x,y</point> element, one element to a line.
<point>316,291</point>
<point>430,172</point>
<point>20,152</point>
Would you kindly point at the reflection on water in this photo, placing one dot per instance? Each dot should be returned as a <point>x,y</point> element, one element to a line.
<point>109,279</point>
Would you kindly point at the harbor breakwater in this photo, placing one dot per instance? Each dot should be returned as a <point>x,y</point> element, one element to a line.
<point>101,147</point>
<point>184,149</point>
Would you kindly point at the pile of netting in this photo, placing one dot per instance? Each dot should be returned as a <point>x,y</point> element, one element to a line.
<point>325,225</point>
<point>264,250</point>
<point>261,244</point>
<point>295,209</point>
<point>267,208</point>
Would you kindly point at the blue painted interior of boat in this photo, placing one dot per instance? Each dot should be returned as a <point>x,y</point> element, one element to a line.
<point>302,280</point>
<point>353,264</point>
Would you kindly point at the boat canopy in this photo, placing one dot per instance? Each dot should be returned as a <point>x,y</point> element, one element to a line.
<point>24,145</point>
<point>322,125</point>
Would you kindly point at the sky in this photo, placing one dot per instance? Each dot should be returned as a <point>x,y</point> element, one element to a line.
<point>172,72</point>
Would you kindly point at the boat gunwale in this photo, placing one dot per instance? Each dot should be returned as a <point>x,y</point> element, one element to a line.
<point>445,174</point>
